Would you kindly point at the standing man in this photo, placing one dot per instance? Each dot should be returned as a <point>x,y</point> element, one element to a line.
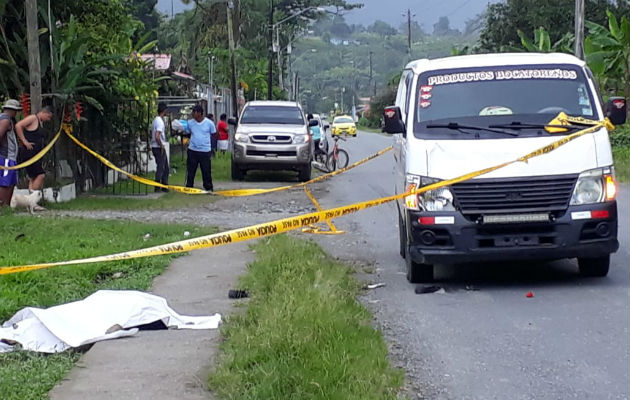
<point>31,133</point>
<point>8,150</point>
<point>199,147</point>
<point>158,147</point>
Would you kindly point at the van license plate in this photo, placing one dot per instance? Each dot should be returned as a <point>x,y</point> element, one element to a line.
<point>515,218</point>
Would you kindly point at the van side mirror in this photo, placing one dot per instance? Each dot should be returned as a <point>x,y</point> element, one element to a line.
<point>615,110</point>
<point>233,121</point>
<point>313,122</point>
<point>393,120</point>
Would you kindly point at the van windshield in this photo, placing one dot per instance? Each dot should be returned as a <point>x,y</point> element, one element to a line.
<point>272,115</point>
<point>538,92</point>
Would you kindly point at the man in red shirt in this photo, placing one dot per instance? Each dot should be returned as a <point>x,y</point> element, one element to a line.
<point>224,134</point>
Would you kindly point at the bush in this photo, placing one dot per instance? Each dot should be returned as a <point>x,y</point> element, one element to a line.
<point>620,137</point>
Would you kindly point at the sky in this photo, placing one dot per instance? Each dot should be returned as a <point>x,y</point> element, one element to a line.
<point>427,12</point>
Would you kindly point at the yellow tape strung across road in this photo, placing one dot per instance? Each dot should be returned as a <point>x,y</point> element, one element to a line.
<point>227,193</point>
<point>291,223</point>
<point>42,152</point>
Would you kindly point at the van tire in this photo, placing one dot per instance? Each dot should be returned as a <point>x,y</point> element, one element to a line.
<point>237,173</point>
<point>418,272</point>
<point>402,236</point>
<point>304,173</point>
<point>597,267</point>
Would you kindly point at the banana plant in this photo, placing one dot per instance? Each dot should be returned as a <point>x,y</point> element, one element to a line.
<point>607,53</point>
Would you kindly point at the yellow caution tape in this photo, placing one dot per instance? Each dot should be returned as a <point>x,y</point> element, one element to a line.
<point>291,223</point>
<point>137,178</point>
<point>42,152</point>
<point>226,193</point>
<point>556,125</point>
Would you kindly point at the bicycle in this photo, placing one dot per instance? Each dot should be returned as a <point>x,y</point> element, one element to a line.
<point>337,158</point>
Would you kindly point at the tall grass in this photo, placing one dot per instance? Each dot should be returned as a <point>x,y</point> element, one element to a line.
<point>304,335</point>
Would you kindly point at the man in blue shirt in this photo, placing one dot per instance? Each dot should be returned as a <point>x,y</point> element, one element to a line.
<point>199,147</point>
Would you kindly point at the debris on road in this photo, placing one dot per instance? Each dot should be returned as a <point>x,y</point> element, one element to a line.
<point>429,289</point>
<point>373,285</point>
<point>529,295</point>
<point>238,294</point>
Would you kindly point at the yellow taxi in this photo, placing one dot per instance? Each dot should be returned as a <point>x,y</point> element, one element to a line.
<point>343,125</point>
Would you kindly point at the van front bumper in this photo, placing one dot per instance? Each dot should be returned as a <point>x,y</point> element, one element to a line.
<point>568,236</point>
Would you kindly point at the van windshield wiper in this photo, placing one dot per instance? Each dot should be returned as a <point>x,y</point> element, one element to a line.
<point>460,127</point>
<point>517,125</point>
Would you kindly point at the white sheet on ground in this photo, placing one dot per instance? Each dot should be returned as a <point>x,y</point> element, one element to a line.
<point>106,314</point>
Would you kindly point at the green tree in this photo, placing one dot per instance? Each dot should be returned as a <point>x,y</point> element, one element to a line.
<point>608,53</point>
<point>504,20</point>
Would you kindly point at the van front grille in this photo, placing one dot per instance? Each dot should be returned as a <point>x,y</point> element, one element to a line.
<point>505,195</point>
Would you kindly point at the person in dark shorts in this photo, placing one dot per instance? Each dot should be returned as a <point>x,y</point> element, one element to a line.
<point>31,133</point>
<point>8,150</point>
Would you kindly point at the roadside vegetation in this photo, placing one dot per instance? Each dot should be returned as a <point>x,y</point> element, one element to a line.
<point>303,333</point>
<point>620,140</point>
<point>26,240</point>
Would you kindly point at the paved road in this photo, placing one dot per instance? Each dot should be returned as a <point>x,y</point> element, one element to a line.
<point>570,341</point>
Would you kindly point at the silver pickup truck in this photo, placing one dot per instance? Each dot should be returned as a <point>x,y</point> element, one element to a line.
<point>271,135</point>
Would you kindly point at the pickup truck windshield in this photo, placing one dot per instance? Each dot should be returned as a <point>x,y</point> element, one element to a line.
<point>272,115</point>
<point>487,92</point>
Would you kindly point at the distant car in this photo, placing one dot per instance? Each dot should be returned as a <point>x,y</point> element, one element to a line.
<point>343,125</point>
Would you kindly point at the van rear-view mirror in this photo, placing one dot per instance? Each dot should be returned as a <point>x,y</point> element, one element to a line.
<point>313,122</point>
<point>233,121</point>
<point>615,110</point>
<point>393,120</point>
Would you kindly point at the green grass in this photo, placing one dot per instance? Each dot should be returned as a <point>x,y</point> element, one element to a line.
<point>303,335</point>
<point>25,240</point>
<point>621,155</point>
<point>103,198</point>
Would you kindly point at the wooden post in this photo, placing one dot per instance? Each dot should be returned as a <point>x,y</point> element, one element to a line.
<point>34,68</point>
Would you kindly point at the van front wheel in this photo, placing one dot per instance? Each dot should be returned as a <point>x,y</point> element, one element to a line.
<point>597,267</point>
<point>417,272</point>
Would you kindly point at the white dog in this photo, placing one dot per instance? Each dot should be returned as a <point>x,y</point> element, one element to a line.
<point>27,201</point>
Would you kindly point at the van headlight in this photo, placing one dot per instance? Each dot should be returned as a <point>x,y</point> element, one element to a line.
<point>299,139</point>
<point>440,199</point>
<point>594,186</point>
<point>239,137</point>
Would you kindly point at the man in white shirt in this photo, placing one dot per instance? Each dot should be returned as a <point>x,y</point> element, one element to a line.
<point>158,146</point>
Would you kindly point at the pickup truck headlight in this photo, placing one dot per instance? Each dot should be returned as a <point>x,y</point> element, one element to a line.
<point>299,139</point>
<point>594,186</point>
<point>239,137</point>
<point>433,200</point>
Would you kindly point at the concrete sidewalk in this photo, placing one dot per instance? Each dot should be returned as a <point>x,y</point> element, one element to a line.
<point>165,364</point>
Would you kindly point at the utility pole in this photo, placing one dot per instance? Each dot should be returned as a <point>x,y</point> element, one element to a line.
<point>270,66</point>
<point>579,29</point>
<point>280,80</point>
<point>230,6</point>
<point>34,68</point>
<point>371,52</point>
<point>409,31</point>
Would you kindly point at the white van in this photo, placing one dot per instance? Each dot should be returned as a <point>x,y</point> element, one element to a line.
<point>461,114</point>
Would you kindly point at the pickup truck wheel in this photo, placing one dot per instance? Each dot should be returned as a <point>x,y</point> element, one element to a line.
<point>594,266</point>
<point>417,272</point>
<point>237,173</point>
<point>304,173</point>
<point>402,236</point>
